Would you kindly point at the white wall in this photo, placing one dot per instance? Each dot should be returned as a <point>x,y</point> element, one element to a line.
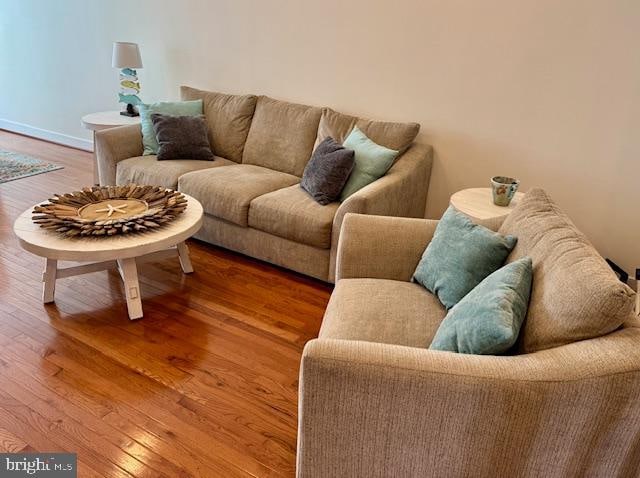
<point>544,90</point>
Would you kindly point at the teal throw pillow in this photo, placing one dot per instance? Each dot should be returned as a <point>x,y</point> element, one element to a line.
<point>487,320</point>
<point>175,108</point>
<point>460,255</point>
<point>372,161</point>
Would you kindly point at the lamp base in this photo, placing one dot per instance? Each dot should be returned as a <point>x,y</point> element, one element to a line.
<point>131,111</point>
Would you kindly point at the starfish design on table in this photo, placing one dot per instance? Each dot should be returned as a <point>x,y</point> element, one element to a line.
<point>111,209</point>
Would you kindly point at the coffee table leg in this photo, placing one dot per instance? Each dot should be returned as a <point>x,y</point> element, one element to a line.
<point>185,260</point>
<point>129,273</point>
<point>49,279</point>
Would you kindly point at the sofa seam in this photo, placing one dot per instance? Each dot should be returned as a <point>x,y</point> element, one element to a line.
<point>435,372</point>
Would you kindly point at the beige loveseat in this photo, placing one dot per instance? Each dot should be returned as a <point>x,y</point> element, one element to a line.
<point>251,195</point>
<point>374,401</point>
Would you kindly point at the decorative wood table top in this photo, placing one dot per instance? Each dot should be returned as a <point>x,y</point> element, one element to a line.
<point>45,243</point>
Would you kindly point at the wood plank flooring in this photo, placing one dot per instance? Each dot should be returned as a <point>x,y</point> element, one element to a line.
<point>204,385</point>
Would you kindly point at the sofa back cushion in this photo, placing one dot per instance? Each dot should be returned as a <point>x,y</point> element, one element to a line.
<point>228,119</point>
<point>397,136</point>
<point>282,135</point>
<point>575,295</point>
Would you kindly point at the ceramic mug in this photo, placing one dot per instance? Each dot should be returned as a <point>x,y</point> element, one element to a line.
<point>504,188</point>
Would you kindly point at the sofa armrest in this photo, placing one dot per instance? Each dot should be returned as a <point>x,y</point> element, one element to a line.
<point>381,247</point>
<point>401,192</point>
<point>381,410</point>
<point>113,145</point>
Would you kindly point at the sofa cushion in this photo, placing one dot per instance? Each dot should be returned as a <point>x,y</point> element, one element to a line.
<point>182,137</point>
<point>384,311</point>
<point>175,108</point>
<point>372,161</point>
<point>575,295</point>
<point>148,170</point>
<point>488,319</point>
<point>293,214</point>
<point>459,257</point>
<point>282,135</point>
<point>327,171</point>
<point>398,136</point>
<point>227,192</point>
<point>228,119</point>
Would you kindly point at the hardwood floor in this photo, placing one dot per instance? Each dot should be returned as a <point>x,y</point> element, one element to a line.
<point>204,385</point>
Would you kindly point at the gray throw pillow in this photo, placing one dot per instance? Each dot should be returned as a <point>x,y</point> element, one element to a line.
<point>327,171</point>
<point>182,137</point>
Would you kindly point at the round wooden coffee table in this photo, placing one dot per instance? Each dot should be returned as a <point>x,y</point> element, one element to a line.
<point>101,253</point>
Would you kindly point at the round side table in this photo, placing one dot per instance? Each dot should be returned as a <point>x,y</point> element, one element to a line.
<point>477,203</point>
<point>103,120</point>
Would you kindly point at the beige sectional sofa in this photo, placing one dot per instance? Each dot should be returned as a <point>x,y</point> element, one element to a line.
<point>375,401</point>
<point>251,195</point>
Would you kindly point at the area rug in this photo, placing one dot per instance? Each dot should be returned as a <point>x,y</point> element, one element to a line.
<point>17,165</point>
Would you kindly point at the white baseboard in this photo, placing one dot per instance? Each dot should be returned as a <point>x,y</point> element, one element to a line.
<point>65,139</point>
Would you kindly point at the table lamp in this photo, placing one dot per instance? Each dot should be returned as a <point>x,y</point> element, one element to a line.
<point>126,56</point>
